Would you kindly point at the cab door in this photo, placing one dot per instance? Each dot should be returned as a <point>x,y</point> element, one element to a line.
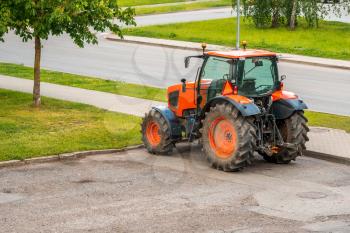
<point>215,73</point>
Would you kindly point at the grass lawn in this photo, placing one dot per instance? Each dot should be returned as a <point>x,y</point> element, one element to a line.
<point>126,3</point>
<point>59,127</point>
<point>182,7</point>
<point>328,120</point>
<point>115,87</point>
<point>331,40</point>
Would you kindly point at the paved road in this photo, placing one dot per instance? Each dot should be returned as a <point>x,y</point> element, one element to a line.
<point>324,89</point>
<point>136,192</point>
<point>216,13</point>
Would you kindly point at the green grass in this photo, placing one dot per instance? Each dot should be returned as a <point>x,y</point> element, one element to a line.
<point>182,7</point>
<point>331,40</point>
<point>115,87</point>
<point>328,120</point>
<point>126,3</point>
<point>59,127</point>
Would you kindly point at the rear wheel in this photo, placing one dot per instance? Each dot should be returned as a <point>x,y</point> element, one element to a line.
<point>294,130</point>
<point>156,133</point>
<point>228,138</point>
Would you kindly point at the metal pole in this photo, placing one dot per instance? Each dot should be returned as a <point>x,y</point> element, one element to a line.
<point>238,24</point>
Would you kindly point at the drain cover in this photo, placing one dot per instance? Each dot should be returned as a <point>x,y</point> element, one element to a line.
<point>312,195</point>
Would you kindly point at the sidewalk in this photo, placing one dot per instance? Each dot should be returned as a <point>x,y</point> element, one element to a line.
<point>104,100</point>
<point>292,58</point>
<point>326,144</point>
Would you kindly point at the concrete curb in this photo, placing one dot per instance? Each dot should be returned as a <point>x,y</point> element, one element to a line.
<point>82,154</point>
<point>151,44</point>
<point>63,157</point>
<point>315,64</point>
<point>173,46</point>
<point>327,157</point>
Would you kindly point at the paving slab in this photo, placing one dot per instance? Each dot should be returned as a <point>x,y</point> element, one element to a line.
<point>332,143</point>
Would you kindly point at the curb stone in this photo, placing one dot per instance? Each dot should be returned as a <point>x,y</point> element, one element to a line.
<point>218,47</point>
<point>83,154</point>
<point>327,157</point>
<point>63,157</point>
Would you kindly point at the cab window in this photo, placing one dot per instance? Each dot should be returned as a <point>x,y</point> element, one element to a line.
<point>217,68</point>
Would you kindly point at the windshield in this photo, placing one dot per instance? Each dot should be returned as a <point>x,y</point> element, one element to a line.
<point>257,76</point>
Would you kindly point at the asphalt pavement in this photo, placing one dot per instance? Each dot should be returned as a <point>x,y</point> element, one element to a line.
<point>137,192</point>
<point>324,89</point>
<point>215,13</point>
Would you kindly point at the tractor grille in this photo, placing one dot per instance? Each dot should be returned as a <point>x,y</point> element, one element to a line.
<point>174,98</point>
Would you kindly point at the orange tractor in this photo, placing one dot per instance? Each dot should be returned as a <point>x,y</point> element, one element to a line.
<point>236,106</point>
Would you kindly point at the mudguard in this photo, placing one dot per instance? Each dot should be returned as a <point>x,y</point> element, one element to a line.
<point>172,121</point>
<point>284,108</point>
<point>249,109</point>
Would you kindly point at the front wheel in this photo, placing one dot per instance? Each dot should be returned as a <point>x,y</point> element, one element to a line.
<point>294,131</point>
<point>156,133</point>
<point>228,138</point>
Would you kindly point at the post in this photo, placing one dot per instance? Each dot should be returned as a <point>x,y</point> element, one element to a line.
<point>238,24</point>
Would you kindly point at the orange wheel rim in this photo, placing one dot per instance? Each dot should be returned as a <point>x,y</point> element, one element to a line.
<point>222,137</point>
<point>152,133</point>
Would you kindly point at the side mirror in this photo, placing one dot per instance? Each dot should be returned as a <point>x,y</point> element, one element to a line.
<point>183,84</point>
<point>283,77</point>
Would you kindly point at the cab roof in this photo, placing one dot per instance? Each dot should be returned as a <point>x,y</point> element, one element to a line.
<point>242,53</point>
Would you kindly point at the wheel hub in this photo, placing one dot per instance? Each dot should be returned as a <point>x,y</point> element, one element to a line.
<point>152,133</point>
<point>222,137</point>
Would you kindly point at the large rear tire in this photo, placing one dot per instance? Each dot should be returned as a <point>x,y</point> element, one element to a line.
<point>156,133</point>
<point>294,130</point>
<point>228,138</point>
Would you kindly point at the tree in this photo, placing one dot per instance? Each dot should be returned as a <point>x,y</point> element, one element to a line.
<point>80,19</point>
<point>293,15</point>
<point>272,13</point>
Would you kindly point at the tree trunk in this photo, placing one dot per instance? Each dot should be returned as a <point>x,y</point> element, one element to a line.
<point>275,18</point>
<point>36,88</point>
<point>293,15</point>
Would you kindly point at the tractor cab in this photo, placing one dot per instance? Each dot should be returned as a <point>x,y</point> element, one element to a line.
<point>241,74</point>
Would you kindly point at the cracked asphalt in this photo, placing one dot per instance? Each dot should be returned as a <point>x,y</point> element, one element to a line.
<point>137,192</point>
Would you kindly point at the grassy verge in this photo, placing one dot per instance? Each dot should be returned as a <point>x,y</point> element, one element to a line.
<point>126,3</point>
<point>115,87</point>
<point>59,127</point>
<point>331,40</point>
<point>182,7</point>
<point>316,118</point>
<point>328,120</point>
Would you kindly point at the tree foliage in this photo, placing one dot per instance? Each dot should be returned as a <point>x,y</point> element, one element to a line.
<point>80,19</point>
<point>266,13</point>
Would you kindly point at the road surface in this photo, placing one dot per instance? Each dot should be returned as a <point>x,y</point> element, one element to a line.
<point>216,13</point>
<point>137,192</point>
<point>324,89</point>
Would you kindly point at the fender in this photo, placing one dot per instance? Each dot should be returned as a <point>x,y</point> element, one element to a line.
<point>172,121</point>
<point>246,109</point>
<point>284,108</point>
